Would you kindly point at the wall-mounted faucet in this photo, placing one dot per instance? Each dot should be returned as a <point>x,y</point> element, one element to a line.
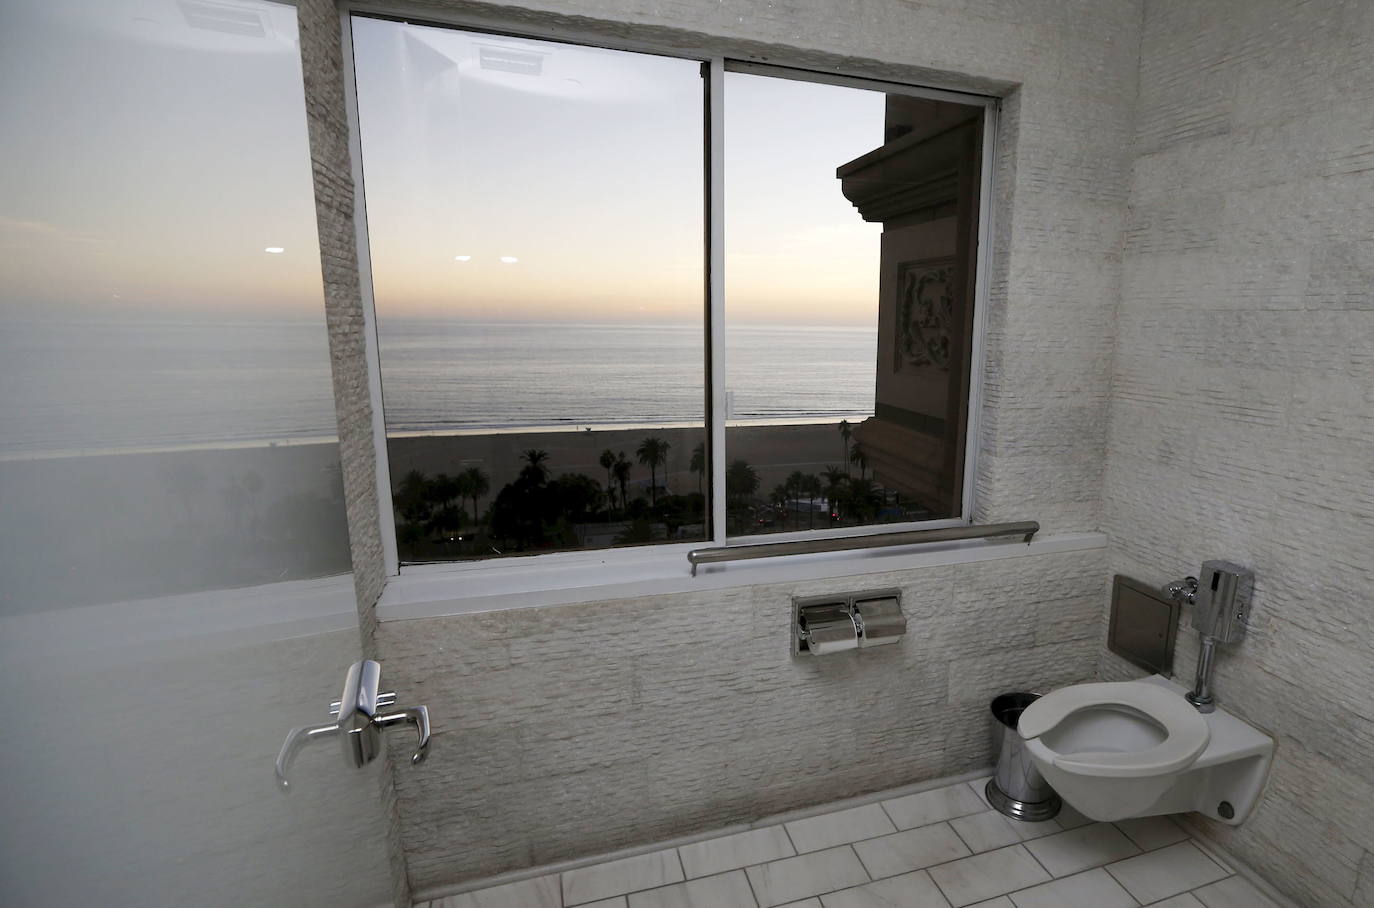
<point>1221,608</point>
<point>360,722</point>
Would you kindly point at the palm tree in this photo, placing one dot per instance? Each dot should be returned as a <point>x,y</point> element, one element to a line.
<point>741,481</point>
<point>607,462</point>
<point>652,452</point>
<point>621,471</point>
<point>846,433</point>
<point>698,465</point>
<point>858,459</point>
<point>475,485</point>
<point>834,480</point>
<point>535,460</point>
<point>796,487</point>
<point>812,484</point>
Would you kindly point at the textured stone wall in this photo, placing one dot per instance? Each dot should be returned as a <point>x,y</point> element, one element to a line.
<point>327,121</point>
<point>1243,406</point>
<point>571,730</point>
<point>568,731</point>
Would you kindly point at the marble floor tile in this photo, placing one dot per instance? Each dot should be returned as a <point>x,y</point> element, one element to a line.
<point>1068,818</point>
<point>988,875</point>
<point>1156,875</point>
<point>600,881</point>
<point>941,848</point>
<point>757,846</point>
<point>1093,889</point>
<point>1235,892</point>
<point>934,806</point>
<point>839,828</point>
<point>985,831</point>
<point>792,879</point>
<point>1152,832</point>
<point>980,788</point>
<point>911,890</point>
<point>726,890</point>
<point>1079,849</point>
<point>539,892</point>
<point>914,849</point>
<point>1186,900</point>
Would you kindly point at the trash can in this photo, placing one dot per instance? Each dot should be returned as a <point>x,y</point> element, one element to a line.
<point>1016,788</point>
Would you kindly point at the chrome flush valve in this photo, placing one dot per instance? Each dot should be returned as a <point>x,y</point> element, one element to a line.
<point>1221,610</point>
<point>1184,590</point>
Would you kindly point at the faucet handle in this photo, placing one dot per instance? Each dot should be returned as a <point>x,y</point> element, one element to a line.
<point>1184,590</point>
<point>358,727</point>
<point>297,738</point>
<point>417,716</point>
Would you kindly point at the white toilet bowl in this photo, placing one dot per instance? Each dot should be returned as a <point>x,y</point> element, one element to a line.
<point>1137,748</point>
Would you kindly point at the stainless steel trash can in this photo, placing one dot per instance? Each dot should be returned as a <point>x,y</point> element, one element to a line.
<point>1016,788</point>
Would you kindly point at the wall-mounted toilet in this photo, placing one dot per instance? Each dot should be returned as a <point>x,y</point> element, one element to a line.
<point>1136,748</point>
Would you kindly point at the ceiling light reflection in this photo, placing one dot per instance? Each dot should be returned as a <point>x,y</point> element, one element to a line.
<point>275,250</point>
<point>509,259</point>
<point>462,258</point>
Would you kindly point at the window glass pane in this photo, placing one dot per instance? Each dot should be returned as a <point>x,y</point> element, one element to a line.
<point>535,216</point>
<point>851,227</point>
<point>168,422</point>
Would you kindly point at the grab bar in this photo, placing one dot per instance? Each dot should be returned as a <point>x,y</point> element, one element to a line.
<point>720,554</point>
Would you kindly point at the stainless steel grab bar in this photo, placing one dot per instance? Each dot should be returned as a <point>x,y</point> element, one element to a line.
<point>720,554</point>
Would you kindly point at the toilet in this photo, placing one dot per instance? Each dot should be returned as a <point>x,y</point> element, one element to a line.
<point>1123,749</point>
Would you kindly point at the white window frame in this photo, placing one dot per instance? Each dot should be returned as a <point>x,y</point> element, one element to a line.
<point>422,582</point>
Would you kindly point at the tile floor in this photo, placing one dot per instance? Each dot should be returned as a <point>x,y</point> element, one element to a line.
<point>941,848</point>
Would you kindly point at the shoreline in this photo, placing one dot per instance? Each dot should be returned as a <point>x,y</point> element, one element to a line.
<point>305,440</point>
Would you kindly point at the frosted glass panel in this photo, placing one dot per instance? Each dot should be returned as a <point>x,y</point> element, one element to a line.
<point>169,483</point>
<point>167,423</point>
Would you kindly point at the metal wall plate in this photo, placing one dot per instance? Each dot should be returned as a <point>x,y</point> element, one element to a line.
<point>859,619</point>
<point>1143,626</point>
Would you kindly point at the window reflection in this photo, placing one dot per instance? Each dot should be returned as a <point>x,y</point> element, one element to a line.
<point>850,245</point>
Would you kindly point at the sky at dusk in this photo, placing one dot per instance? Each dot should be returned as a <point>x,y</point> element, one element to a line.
<point>150,163</point>
<point>585,165</point>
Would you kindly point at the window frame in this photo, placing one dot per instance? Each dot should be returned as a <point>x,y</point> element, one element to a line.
<point>714,68</point>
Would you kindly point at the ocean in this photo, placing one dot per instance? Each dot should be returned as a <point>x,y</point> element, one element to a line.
<point>100,384</point>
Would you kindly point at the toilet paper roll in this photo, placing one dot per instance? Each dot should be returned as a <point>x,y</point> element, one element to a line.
<point>831,631</point>
<point>833,645</point>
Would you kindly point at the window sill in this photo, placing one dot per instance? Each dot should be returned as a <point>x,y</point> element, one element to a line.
<point>459,589</point>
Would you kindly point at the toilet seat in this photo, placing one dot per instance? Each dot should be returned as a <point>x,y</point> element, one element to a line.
<point>1186,732</point>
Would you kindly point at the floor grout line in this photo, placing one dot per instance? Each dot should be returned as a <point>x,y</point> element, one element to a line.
<point>1039,863</point>
<point>862,866</point>
<point>754,893</point>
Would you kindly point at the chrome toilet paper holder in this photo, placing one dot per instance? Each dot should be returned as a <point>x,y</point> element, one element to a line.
<point>843,621</point>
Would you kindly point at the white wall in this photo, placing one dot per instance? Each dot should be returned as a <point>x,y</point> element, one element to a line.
<point>1243,404</point>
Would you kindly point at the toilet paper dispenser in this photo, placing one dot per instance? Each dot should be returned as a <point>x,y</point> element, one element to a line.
<point>831,623</point>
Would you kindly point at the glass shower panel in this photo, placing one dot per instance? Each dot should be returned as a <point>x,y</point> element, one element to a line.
<point>172,535</point>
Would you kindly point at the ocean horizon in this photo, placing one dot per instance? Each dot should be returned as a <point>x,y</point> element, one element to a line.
<point>163,383</point>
